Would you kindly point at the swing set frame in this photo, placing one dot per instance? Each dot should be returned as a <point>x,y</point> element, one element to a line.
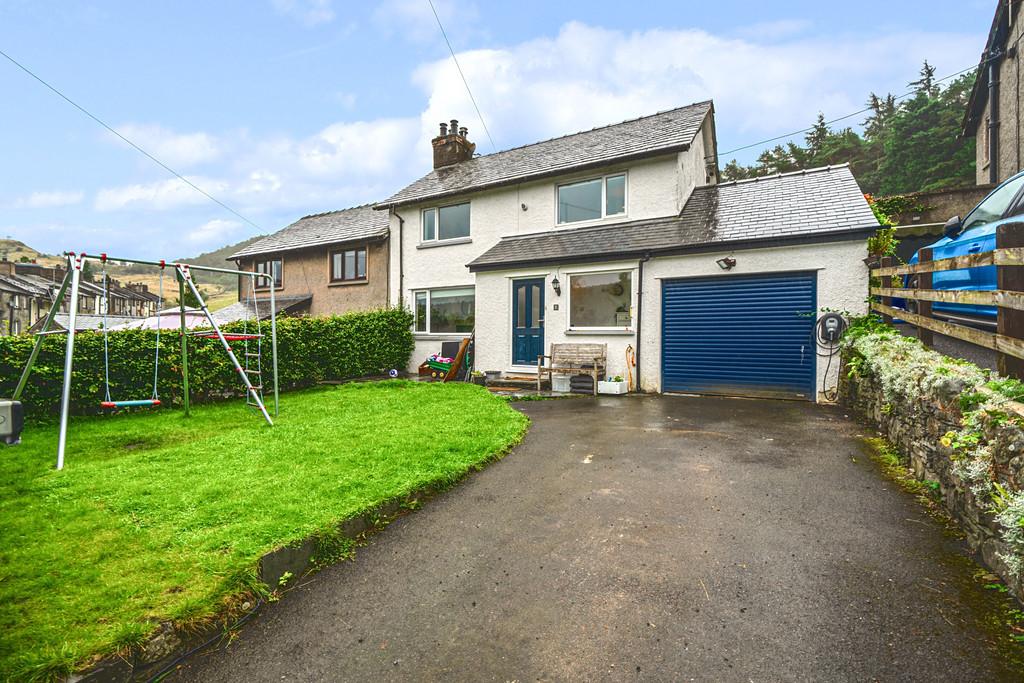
<point>183,273</point>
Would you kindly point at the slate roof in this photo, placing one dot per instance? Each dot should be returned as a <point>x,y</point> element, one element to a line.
<point>803,206</point>
<point>661,133</point>
<point>246,309</point>
<point>333,227</point>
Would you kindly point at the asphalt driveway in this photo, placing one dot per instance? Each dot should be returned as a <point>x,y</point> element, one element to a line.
<point>654,538</point>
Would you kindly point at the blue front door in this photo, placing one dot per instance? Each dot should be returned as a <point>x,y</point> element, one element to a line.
<point>527,320</point>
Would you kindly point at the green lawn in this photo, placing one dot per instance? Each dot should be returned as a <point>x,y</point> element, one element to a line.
<point>157,516</point>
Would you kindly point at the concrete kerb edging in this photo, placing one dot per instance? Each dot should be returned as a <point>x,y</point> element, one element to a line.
<point>170,643</point>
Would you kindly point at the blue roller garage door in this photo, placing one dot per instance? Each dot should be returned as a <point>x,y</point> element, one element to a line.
<point>739,335</point>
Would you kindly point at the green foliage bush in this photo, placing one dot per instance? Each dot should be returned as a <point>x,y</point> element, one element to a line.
<point>310,350</point>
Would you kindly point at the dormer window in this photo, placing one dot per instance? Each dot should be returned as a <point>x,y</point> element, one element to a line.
<point>446,223</point>
<point>593,199</point>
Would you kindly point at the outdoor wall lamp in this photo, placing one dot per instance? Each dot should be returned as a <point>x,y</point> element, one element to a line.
<point>557,286</point>
<point>726,263</point>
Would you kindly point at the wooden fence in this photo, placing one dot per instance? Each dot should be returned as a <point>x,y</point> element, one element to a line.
<point>1008,258</point>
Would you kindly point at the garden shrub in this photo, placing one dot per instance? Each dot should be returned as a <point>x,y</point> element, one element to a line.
<point>310,350</point>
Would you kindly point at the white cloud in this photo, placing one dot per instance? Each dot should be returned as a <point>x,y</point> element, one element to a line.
<point>579,78</point>
<point>174,149</point>
<point>587,76</point>
<point>47,200</point>
<point>309,12</point>
<point>216,232</point>
<point>159,195</point>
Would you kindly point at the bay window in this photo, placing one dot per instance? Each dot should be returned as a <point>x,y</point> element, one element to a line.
<point>601,300</point>
<point>592,199</point>
<point>446,222</point>
<point>444,311</point>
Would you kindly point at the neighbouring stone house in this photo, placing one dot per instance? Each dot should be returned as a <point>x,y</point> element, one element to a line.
<point>621,235</point>
<point>323,264</point>
<point>994,115</point>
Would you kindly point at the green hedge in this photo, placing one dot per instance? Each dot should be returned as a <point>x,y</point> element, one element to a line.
<point>310,350</point>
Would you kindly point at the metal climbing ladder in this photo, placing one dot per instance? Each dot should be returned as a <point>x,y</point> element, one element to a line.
<point>254,361</point>
<point>254,396</point>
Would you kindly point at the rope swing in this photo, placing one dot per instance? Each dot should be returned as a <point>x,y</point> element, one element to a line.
<point>154,399</point>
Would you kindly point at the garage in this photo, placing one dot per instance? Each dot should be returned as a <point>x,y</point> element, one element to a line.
<point>748,335</point>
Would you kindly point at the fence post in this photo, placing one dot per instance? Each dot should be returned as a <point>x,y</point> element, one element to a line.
<point>924,308</point>
<point>886,262</point>
<point>1010,278</point>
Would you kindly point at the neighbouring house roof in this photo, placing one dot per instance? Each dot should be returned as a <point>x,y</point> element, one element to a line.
<point>817,204</point>
<point>19,286</point>
<point>333,227</point>
<point>661,133</point>
<point>995,43</point>
<point>247,309</point>
<point>84,321</point>
<point>170,318</point>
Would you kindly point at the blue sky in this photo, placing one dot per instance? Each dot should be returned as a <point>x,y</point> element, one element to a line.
<point>286,107</point>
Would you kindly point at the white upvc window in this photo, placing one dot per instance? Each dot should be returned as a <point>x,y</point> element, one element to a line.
<point>449,310</point>
<point>592,199</point>
<point>601,300</point>
<point>442,223</point>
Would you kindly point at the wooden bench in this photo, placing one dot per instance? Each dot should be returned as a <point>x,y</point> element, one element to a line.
<point>574,359</point>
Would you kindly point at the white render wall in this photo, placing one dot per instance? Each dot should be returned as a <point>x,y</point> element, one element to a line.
<point>842,285</point>
<point>654,189</point>
<point>494,315</point>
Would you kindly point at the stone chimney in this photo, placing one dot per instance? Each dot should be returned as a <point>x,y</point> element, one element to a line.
<point>452,146</point>
<point>6,267</point>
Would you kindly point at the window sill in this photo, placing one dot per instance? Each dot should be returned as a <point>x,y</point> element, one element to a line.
<point>593,221</point>
<point>444,243</point>
<point>441,336</point>
<point>347,283</point>
<point>612,331</point>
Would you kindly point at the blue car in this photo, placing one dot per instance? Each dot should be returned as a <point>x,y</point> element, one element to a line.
<point>974,234</point>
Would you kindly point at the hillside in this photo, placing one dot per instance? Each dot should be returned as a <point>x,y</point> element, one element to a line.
<point>15,250</point>
<point>219,289</point>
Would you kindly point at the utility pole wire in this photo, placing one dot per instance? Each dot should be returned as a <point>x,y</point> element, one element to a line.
<point>152,158</point>
<point>837,120</point>
<point>464,81</point>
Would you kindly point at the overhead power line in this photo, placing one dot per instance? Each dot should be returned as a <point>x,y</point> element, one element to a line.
<point>152,158</point>
<point>904,96</point>
<point>464,81</point>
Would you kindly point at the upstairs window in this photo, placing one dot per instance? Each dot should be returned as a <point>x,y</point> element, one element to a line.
<point>593,199</point>
<point>348,265</point>
<point>270,267</point>
<point>446,223</point>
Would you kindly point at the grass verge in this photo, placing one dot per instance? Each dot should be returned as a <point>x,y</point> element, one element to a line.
<point>161,517</point>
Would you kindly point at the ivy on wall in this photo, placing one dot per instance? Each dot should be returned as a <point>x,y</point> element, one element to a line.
<point>310,350</point>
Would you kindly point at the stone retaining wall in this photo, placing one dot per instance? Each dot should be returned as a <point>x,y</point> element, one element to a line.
<point>916,428</point>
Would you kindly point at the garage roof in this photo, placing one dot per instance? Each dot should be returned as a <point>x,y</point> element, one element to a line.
<point>661,133</point>
<point>333,227</point>
<point>818,204</point>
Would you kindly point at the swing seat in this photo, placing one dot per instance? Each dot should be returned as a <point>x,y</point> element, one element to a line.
<point>129,404</point>
<point>228,336</point>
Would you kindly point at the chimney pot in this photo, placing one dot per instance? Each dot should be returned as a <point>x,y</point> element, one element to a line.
<point>452,146</point>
